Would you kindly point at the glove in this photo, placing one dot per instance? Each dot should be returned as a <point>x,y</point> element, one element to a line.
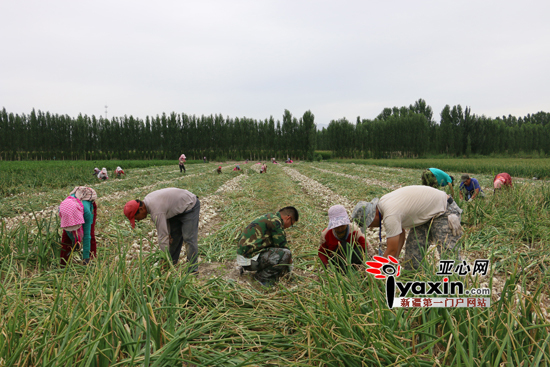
<point>454,225</point>
<point>470,200</point>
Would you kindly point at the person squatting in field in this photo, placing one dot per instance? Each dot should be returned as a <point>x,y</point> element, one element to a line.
<point>262,247</point>
<point>435,178</point>
<point>96,171</point>
<point>175,213</point>
<point>78,213</point>
<point>342,242</point>
<point>119,171</point>
<point>102,175</point>
<point>182,163</point>
<point>470,188</point>
<point>263,168</point>
<point>237,168</point>
<point>219,170</point>
<point>502,180</point>
<point>431,215</point>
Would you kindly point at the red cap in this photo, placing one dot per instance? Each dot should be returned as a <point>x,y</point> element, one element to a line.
<point>130,210</point>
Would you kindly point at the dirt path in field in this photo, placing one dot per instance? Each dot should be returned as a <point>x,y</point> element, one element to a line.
<point>368,181</point>
<point>230,272</point>
<point>327,198</point>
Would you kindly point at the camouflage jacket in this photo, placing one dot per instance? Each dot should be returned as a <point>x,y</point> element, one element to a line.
<point>264,232</point>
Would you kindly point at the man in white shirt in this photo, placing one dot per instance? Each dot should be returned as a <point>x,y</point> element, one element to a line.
<point>431,215</point>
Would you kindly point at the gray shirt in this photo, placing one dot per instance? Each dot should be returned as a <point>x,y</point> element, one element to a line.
<point>164,204</point>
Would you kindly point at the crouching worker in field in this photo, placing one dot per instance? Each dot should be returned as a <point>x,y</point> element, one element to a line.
<point>119,172</point>
<point>502,180</point>
<point>431,215</point>
<point>435,178</point>
<point>263,247</point>
<point>78,214</point>
<point>342,242</point>
<point>102,175</point>
<point>470,188</point>
<point>175,213</point>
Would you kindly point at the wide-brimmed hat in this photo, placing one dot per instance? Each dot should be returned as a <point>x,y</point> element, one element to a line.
<point>337,216</point>
<point>364,212</point>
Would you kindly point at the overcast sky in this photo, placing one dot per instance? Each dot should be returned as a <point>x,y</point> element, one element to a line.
<point>258,58</point>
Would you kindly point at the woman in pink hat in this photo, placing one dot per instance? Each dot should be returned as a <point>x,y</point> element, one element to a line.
<point>78,214</point>
<point>342,240</point>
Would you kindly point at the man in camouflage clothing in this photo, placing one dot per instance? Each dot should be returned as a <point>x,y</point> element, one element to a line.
<point>263,247</point>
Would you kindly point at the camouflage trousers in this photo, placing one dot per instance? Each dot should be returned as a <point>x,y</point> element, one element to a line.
<point>428,179</point>
<point>271,264</point>
<point>435,231</point>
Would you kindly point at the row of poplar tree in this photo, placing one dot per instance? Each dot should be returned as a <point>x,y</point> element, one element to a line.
<point>396,132</point>
<point>412,132</point>
<point>42,135</point>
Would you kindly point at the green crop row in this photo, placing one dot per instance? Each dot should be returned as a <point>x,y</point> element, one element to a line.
<point>539,168</point>
<point>31,176</point>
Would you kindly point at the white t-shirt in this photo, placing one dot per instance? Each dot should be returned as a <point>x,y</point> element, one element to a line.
<point>410,207</point>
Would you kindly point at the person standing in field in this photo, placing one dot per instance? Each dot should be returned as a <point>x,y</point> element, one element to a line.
<point>342,242</point>
<point>470,188</point>
<point>435,178</point>
<point>182,163</point>
<point>431,215</point>
<point>102,175</point>
<point>175,213</point>
<point>263,247</point>
<point>119,171</point>
<point>502,180</point>
<point>78,213</point>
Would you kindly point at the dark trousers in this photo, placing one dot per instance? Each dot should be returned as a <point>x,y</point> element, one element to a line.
<point>345,255</point>
<point>184,227</point>
<point>182,167</point>
<point>67,243</point>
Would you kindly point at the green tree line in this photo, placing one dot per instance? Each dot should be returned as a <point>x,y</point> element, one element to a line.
<point>42,135</point>
<point>409,131</point>
<point>412,132</point>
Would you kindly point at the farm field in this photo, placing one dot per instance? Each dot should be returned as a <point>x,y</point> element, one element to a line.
<point>124,309</point>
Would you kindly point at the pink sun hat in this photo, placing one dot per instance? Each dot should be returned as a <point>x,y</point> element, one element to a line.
<point>337,216</point>
<point>71,212</point>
